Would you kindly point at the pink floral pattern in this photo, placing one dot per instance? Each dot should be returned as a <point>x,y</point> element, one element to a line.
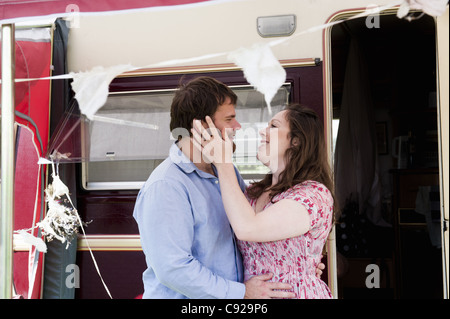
<point>295,260</point>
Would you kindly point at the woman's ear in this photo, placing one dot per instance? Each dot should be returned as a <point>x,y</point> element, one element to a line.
<point>295,141</point>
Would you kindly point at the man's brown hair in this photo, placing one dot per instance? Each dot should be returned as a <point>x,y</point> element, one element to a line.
<point>195,100</point>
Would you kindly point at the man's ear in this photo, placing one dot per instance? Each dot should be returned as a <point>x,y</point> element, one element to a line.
<point>204,123</point>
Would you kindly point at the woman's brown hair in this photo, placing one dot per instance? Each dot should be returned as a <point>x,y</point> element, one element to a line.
<point>306,159</point>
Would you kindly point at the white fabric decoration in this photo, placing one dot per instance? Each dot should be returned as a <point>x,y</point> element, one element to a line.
<point>26,237</point>
<point>430,7</point>
<point>92,88</point>
<point>261,69</point>
<point>58,188</point>
<point>61,221</point>
<point>42,161</point>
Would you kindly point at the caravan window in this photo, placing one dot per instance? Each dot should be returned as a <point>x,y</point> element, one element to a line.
<point>130,136</point>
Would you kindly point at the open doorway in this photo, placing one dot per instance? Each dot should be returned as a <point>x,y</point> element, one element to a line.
<point>386,158</point>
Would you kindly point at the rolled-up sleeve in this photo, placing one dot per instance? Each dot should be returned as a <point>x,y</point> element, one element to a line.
<point>167,225</point>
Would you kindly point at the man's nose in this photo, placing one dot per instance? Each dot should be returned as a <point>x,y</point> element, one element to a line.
<point>236,125</point>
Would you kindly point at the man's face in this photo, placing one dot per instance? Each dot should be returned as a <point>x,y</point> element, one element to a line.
<point>225,117</point>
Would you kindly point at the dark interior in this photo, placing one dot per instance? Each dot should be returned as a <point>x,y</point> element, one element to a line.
<point>400,57</point>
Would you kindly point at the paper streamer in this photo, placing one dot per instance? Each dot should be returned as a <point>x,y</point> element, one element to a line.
<point>92,88</point>
<point>24,236</point>
<point>430,7</point>
<point>55,191</point>
<point>261,69</point>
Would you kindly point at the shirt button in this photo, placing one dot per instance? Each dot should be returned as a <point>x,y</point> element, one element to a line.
<point>216,181</point>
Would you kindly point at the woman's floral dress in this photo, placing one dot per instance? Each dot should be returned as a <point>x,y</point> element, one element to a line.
<point>294,260</point>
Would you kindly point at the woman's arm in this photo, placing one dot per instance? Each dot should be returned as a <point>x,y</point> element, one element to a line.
<point>284,219</point>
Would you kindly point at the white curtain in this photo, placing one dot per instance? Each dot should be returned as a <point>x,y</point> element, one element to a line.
<point>356,163</point>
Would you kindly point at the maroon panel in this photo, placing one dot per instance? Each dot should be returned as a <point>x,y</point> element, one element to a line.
<point>121,271</point>
<point>307,84</point>
<point>108,213</point>
<point>157,82</point>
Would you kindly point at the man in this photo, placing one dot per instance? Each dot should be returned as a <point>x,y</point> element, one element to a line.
<point>188,242</point>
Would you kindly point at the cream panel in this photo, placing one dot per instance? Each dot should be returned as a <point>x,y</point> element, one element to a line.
<point>443,56</point>
<point>143,38</point>
<point>109,243</point>
<point>443,63</point>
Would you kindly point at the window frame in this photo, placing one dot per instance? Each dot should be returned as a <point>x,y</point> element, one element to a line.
<point>136,185</point>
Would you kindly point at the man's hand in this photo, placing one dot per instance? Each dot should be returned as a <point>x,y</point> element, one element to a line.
<point>258,287</point>
<point>319,269</point>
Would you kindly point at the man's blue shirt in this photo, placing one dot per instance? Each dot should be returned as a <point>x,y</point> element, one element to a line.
<point>189,246</point>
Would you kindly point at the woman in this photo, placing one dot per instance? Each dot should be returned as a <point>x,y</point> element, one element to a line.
<point>283,221</point>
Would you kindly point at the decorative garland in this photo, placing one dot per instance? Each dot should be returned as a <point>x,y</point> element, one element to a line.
<point>62,221</point>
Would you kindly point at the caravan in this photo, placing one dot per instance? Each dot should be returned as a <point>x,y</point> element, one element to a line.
<point>369,74</point>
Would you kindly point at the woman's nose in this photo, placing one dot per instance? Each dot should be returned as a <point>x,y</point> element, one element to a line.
<point>262,132</point>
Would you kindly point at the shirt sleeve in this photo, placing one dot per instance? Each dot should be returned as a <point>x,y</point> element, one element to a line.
<point>166,226</point>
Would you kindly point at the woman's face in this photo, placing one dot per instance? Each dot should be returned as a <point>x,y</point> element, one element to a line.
<point>275,141</point>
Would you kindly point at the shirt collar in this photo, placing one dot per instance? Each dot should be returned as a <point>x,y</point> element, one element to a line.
<point>184,163</point>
